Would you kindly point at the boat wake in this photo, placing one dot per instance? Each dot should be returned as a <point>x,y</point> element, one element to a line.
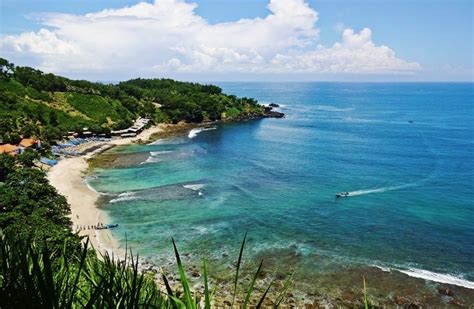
<point>381,190</point>
<point>194,132</point>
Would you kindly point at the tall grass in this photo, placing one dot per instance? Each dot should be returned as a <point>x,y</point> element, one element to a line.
<point>32,276</point>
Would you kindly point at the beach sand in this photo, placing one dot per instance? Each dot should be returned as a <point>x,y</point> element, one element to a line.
<point>68,177</point>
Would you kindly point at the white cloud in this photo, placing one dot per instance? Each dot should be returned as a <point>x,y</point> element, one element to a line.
<point>167,36</point>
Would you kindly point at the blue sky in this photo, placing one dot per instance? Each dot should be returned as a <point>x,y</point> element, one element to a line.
<point>435,35</point>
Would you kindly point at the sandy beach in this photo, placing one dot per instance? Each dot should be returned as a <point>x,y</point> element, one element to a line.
<point>68,177</point>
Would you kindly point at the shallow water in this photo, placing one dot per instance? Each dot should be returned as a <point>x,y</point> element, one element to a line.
<point>403,151</point>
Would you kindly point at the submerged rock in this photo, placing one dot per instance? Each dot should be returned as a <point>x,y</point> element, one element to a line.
<point>446,292</point>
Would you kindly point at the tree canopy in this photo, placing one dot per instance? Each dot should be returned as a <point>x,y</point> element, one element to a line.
<point>32,100</point>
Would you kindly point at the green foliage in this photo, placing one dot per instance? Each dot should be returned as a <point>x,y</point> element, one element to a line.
<point>28,157</point>
<point>11,138</point>
<point>6,69</point>
<point>190,102</point>
<point>98,107</point>
<point>7,165</point>
<point>30,208</point>
<point>30,97</point>
<point>33,276</point>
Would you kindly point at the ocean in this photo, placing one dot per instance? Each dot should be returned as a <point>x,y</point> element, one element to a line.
<point>403,151</point>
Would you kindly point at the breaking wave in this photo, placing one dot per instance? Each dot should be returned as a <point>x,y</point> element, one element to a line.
<point>194,132</point>
<point>157,153</point>
<point>194,187</point>
<point>442,278</point>
<point>126,196</point>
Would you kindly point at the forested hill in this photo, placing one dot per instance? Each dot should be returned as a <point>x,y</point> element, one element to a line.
<point>47,105</point>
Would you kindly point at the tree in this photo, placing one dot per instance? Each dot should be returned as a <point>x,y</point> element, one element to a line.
<point>12,138</point>
<point>53,118</point>
<point>6,69</point>
<point>31,209</point>
<point>28,157</point>
<point>7,165</point>
<point>29,130</point>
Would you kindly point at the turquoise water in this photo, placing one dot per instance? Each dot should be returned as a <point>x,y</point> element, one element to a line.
<point>404,151</point>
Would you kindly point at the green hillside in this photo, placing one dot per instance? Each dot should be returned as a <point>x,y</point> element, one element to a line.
<point>48,106</point>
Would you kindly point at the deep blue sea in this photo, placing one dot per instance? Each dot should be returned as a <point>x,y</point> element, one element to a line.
<point>404,151</point>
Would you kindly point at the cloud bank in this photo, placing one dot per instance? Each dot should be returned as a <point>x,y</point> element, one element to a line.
<point>167,36</point>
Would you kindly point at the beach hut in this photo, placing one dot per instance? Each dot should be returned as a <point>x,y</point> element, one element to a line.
<point>8,149</point>
<point>27,142</point>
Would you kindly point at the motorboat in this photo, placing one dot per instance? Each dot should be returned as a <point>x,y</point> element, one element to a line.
<point>342,194</point>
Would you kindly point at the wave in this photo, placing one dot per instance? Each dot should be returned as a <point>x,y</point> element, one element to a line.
<point>151,159</point>
<point>125,196</point>
<point>194,132</point>
<point>442,278</point>
<point>157,153</point>
<point>86,182</point>
<point>330,108</point>
<point>157,142</point>
<point>431,276</point>
<point>122,199</point>
<point>194,187</point>
<point>381,190</point>
<point>155,156</point>
<point>167,141</point>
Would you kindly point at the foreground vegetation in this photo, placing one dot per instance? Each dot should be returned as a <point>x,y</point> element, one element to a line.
<point>32,276</point>
<point>47,106</point>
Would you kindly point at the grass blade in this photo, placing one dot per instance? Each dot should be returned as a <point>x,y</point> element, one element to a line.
<point>262,299</point>
<point>207,297</point>
<point>238,268</point>
<point>286,287</point>
<point>252,286</point>
<point>184,281</point>
<point>366,302</point>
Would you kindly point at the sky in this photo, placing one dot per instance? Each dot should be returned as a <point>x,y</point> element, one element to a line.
<point>242,40</point>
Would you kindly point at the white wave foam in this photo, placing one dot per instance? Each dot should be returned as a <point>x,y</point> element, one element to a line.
<point>442,278</point>
<point>125,196</point>
<point>167,141</point>
<point>382,268</point>
<point>194,132</point>
<point>128,193</point>
<point>122,199</point>
<point>381,190</point>
<point>330,108</point>
<point>194,187</point>
<point>157,142</point>
<point>151,159</point>
<point>86,182</point>
<point>157,153</point>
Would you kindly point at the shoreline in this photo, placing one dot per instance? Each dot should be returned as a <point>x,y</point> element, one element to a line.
<point>68,177</point>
